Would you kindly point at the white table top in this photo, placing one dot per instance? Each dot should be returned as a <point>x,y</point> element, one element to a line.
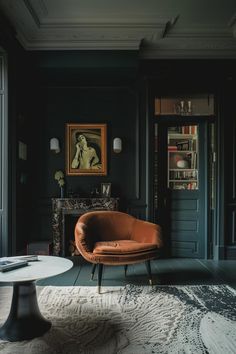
<point>45,267</point>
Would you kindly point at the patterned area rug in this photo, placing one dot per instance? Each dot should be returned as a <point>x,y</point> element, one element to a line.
<point>132,319</point>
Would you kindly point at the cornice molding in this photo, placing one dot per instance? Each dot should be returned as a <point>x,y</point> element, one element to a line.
<point>90,37</point>
<point>197,47</point>
<point>32,12</point>
<point>37,30</point>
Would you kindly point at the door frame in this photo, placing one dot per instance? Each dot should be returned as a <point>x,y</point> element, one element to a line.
<point>164,123</point>
<point>4,239</point>
<point>151,119</point>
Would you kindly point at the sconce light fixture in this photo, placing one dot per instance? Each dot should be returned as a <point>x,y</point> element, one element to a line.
<point>117,145</point>
<point>54,145</point>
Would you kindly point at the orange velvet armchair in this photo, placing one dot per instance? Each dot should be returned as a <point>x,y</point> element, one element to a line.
<point>115,238</point>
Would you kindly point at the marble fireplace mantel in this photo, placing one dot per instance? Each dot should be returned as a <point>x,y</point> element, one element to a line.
<point>74,206</point>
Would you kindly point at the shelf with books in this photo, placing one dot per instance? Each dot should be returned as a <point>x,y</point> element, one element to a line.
<point>183,180</point>
<point>183,185</point>
<point>182,160</point>
<point>182,157</point>
<point>189,174</point>
<point>182,142</point>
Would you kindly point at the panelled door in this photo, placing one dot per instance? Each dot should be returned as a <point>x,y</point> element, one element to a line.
<point>180,185</point>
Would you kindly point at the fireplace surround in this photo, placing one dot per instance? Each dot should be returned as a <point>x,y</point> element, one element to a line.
<point>62,207</point>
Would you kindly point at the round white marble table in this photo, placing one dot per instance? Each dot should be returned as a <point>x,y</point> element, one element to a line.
<point>25,320</point>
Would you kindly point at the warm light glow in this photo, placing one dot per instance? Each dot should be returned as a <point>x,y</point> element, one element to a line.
<point>54,145</point>
<point>117,145</point>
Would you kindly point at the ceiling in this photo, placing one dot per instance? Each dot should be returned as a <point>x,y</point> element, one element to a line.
<point>157,28</point>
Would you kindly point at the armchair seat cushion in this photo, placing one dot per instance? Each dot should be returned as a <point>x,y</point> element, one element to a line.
<point>116,238</point>
<point>117,247</point>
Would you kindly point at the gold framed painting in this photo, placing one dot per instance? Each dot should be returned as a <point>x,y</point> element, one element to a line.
<point>86,149</point>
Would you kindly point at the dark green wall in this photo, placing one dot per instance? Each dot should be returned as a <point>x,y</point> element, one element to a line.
<point>20,104</point>
<point>115,106</point>
<point>73,93</point>
<point>49,89</point>
<point>114,88</point>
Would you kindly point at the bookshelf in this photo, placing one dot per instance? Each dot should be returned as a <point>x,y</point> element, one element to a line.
<point>183,157</point>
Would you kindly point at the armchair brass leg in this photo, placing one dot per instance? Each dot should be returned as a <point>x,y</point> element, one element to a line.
<point>100,269</point>
<point>93,271</point>
<point>126,267</point>
<point>148,267</point>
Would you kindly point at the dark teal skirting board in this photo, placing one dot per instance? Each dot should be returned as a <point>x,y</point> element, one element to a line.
<point>165,272</point>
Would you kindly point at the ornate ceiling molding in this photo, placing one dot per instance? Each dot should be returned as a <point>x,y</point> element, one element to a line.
<point>91,36</point>
<point>156,36</point>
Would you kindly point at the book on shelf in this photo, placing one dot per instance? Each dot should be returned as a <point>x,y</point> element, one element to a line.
<point>183,185</point>
<point>194,160</point>
<point>183,145</point>
<point>193,129</point>
<point>189,129</point>
<point>8,263</point>
<point>192,185</point>
<point>172,148</point>
<point>183,175</point>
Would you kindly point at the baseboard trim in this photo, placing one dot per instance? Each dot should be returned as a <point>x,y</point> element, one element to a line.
<point>230,253</point>
<point>219,253</point>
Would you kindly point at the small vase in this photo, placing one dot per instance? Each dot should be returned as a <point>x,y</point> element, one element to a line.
<point>62,192</point>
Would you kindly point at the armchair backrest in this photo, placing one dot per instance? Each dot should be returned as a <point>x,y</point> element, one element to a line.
<point>107,225</point>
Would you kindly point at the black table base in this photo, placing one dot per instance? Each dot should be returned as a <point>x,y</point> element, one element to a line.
<point>25,320</point>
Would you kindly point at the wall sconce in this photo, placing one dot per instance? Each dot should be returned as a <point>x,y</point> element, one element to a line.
<point>54,145</point>
<point>117,145</point>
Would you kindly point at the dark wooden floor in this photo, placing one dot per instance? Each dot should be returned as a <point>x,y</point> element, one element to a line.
<point>165,272</point>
